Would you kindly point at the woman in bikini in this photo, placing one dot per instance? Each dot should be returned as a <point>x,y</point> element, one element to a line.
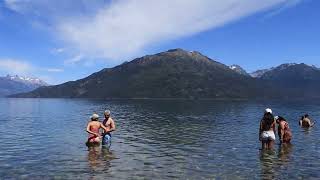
<point>284,131</point>
<point>267,130</point>
<point>93,128</point>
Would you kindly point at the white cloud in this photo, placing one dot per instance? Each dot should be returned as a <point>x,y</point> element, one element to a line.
<point>74,60</point>
<point>14,5</point>
<point>120,29</point>
<point>286,6</point>
<point>57,50</point>
<point>126,27</point>
<point>54,70</point>
<point>15,66</point>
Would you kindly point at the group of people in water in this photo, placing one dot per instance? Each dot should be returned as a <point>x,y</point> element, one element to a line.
<point>267,129</point>
<point>100,131</point>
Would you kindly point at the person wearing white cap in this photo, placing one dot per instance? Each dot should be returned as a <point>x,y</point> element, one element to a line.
<point>108,122</point>
<point>93,129</point>
<point>267,130</point>
<point>268,110</point>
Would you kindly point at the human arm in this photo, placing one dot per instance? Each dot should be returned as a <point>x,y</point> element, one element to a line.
<point>260,130</point>
<point>311,123</point>
<point>274,126</point>
<point>314,122</point>
<point>282,127</point>
<point>104,128</point>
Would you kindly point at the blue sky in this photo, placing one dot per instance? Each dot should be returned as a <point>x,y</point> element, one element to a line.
<point>66,40</point>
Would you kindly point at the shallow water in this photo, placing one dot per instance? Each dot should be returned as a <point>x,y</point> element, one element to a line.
<point>45,138</point>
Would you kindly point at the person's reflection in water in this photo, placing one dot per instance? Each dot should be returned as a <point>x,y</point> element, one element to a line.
<point>306,130</point>
<point>284,153</point>
<point>271,162</point>
<point>267,164</point>
<point>93,157</point>
<point>100,158</point>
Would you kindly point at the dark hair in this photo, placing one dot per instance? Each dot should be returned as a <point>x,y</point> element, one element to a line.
<point>268,120</point>
<point>281,118</point>
<point>306,115</point>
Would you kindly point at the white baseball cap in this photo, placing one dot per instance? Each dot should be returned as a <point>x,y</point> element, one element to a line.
<point>268,110</point>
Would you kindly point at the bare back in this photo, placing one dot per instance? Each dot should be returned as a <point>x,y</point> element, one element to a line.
<point>94,126</point>
<point>267,127</point>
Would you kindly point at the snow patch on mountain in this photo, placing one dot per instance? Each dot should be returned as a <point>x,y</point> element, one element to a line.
<point>238,69</point>
<point>27,80</point>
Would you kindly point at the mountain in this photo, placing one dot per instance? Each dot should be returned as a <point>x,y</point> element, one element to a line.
<point>301,80</point>
<point>32,82</point>
<point>18,84</point>
<point>259,73</point>
<point>239,69</point>
<point>172,74</point>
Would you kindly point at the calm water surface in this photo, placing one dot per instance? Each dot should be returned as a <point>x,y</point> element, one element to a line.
<point>45,139</point>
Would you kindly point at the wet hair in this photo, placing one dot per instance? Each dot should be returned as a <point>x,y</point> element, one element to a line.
<point>268,120</point>
<point>306,116</point>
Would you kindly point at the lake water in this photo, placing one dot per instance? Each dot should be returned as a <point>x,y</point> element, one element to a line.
<point>155,139</point>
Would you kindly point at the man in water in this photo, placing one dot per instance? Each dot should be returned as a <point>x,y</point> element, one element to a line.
<point>93,129</point>
<point>306,122</point>
<point>110,125</point>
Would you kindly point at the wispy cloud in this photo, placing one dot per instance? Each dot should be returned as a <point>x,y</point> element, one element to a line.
<point>57,50</point>
<point>74,60</point>
<point>120,29</point>
<point>15,66</point>
<point>282,8</point>
<point>54,70</point>
<point>126,27</point>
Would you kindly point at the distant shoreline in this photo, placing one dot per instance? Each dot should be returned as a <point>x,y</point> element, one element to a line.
<point>170,99</point>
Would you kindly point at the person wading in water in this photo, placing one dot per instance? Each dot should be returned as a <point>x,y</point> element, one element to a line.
<point>93,128</point>
<point>284,131</point>
<point>267,130</point>
<point>305,122</point>
<point>110,126</point>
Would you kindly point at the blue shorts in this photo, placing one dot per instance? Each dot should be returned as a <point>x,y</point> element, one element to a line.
<point>106,140</point>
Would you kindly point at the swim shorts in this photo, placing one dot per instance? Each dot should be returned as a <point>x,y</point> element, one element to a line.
<point>268,136</point>
<point>106,140</point>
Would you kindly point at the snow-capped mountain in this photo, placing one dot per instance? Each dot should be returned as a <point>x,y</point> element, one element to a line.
<point>238,69</point>
<point>27,80</point>
<point>18,84</point>
<point>261,72</point>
